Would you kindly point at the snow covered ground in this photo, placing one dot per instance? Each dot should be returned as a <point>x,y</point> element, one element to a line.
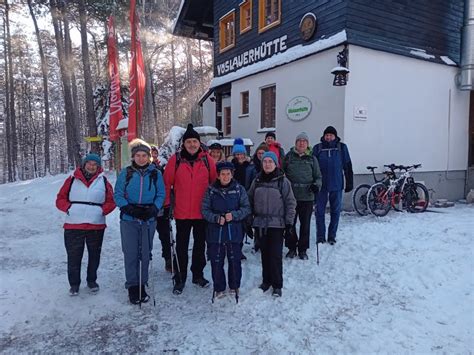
<point>400,284</point>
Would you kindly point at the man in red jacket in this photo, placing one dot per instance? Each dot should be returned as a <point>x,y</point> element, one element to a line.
<point>187,176</point>
<point>86,197</point>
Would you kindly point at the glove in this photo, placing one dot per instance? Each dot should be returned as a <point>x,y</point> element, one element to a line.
<point>314,188</point>
<point>135,211</point>
<point>288,231</point>
<point>166,212</point>
<point>151,212</point>
<point>349,187</point>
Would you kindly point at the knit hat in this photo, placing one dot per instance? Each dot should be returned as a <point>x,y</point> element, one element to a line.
<point>238,147</point>
<point>270,134</point>
<point>138,145</point>
<point>216,146</point>
<point>270,155</point>
<point>154,148</point>
<point>224,165</point>
<point>92,157</point>
<point>303,136</point>
<point>190,133</point>
<point>330,129</point>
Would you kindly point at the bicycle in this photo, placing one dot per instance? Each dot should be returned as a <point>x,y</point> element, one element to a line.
<point>359,196</point>
<point>402,193</point>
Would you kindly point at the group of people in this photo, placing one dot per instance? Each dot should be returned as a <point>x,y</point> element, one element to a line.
<point>218,199</point>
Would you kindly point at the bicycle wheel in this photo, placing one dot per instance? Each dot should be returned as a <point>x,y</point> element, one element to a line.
<point>417,198</point>
<point>379,200</point>
<point>359,199</point>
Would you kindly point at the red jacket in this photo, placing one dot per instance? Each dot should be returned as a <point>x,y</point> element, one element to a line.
<point>189,184</point>
<point>64,204</point>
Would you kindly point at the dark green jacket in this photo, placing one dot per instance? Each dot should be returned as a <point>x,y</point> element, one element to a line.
<point>302,171</point>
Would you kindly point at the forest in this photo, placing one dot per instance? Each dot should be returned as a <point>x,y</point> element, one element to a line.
<point>55,84</point>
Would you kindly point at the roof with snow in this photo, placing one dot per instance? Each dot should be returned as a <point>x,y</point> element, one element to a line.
<point>195,20</point>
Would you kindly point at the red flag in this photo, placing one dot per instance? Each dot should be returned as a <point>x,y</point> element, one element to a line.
<point>137,76</point>
<point>115,110</point>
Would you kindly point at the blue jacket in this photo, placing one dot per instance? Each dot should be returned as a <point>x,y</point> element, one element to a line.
<point>220,200</point>
<point>334,163</point>
<point>140,190</point>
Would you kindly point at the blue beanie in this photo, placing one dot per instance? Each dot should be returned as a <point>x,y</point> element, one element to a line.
<point>238,147</point>
<point>224,165</point>
<point>271,155</point>
<point>92,157</point>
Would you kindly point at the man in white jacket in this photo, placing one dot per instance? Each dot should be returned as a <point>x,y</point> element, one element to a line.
<point>86,197</point>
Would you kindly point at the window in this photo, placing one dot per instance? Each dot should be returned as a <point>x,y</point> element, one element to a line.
<point>269,12</point>
<point>267,119</point>
<point>244,103</point>
<point>227,121</point>
<point>245,16</point>
<point>227,32</point>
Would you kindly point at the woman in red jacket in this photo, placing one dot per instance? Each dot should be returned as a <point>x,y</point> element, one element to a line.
<point>86,197</point>
<point>187,176</point>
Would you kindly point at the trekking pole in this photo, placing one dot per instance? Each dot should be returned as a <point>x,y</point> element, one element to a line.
<point>317,253</point>
<point>233,260</point>
<point>140,264</point>
<point>217,259</point>
<point>150,267</point>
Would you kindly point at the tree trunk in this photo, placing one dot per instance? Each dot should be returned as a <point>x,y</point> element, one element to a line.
<point>71,131</point>
<point>91,121</point>
<point>173,71</point>
<point>12,115</point>
<point>44,71</point>
<point>8,139</point>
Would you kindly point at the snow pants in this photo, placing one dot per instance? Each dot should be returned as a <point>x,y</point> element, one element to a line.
<point>74,240</point>
<point>183,232</point>
<point>304,211</point>
<point>137,244</point>
<point>335,204</point>
<point>271,245</point>
<point>163,229</point>
<point>217,253</point>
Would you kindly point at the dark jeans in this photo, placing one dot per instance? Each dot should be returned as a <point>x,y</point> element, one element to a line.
<point>335,202</point>
<point>163,229</point>
<point>183,231</point>
<point>217,253</point>
<point>74,241</point>
<point>304,210</point>
<point>271,245</point>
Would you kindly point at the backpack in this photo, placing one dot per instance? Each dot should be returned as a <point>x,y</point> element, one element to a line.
<point>153,177</point>
<point>178,161</point>
<point>83,202</point>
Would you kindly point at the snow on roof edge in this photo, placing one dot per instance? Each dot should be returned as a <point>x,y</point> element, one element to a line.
<point>288,56</point>
<point>175,20</point>
<point>447,60</point>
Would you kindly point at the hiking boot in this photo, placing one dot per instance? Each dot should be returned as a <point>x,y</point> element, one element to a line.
<point>242,256</point>
<point>303,255</point>
<point>332,241</point>
<point>264,286</point>
<point>145,296</point>
<point>201,282</point>
<point>291,254</point>
<point>320,240</point>
<point>178,288</point>
<point>276,292</point>
<point>218,295</point>
<point>168,265</point>
<point>74,291</point>
<point>133,295</point>
<point>93,286</point>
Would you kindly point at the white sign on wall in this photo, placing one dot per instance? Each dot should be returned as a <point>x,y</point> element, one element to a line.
<point>360,113</point>
<point>298,108</point>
